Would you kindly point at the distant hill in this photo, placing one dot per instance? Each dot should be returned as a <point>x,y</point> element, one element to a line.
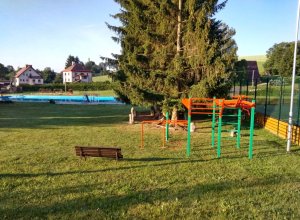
<point>260,59</point>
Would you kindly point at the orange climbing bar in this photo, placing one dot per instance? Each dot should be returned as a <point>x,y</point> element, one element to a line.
<point>162,123</point>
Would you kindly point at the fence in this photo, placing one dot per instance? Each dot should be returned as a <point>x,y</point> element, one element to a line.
<point>272,95</point>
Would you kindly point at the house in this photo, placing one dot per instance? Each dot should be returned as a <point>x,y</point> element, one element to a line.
<point>76,73</point>
<point>252,71</point>
<point>28,75</point>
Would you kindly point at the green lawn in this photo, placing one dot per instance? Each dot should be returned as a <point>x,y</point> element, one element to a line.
<point>40,176</point>
<point>101,78</point>
<point>100,93</point>
<point>260,59</point>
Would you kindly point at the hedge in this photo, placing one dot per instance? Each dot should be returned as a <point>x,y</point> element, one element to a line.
<point>94,86</point>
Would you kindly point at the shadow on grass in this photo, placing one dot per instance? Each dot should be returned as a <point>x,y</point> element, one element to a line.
<point>41,115</point>
<point>224,155</point>
<point>148,159</point>
<point>24,175</point>
<point>111,206</point>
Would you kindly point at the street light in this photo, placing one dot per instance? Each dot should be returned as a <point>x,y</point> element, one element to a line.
<point>289,140</point>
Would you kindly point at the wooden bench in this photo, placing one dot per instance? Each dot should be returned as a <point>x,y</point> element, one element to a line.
<point>98,152</point>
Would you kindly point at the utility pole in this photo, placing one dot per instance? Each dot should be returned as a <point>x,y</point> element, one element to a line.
<point>289,139</point>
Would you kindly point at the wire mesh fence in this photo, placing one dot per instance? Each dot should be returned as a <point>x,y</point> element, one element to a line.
<point>272,95</point>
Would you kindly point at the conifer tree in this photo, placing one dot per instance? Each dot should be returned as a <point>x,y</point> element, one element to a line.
<point>172,49</point>
<point>71,59</point>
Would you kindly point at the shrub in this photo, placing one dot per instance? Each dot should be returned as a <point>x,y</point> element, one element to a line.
<point>74,86</point>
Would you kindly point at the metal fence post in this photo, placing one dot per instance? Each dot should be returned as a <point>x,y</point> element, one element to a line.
<point>280,100</point>
<point>233,87</point>
<point>247,88</point>
<point>266,100</point>
<point>240,87</point>
<point>255,89</point>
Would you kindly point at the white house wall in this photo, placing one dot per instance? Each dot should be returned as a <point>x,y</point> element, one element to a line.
<point>69,77</point>
<point>24,78</point>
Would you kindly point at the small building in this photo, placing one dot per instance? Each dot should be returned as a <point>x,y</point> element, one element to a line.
<point>252,71</point>
<point>76,73</point>
<point>28,75</point>
<point>4,85</point>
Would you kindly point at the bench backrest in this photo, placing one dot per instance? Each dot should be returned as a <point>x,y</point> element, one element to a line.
<point>98,152</point>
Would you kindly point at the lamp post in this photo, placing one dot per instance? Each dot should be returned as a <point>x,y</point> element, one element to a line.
<point>289,139</point>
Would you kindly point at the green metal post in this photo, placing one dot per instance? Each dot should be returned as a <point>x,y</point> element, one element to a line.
<point>251,131</point>
<point>238,137</point>
<point>167,126</point>
<point>219,135</point>
<point>213,123</point>
<point>188,146</point>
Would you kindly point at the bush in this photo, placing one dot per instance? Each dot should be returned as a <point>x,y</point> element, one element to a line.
<point>74,86</point>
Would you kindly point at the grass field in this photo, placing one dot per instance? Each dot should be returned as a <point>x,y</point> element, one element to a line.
<point>101,78</point>
<point>40,176</point>
<point>100,93</point>
<point>260,59</point>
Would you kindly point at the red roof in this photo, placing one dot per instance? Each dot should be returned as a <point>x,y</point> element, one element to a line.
<point>76,67</point>
<point>21,71</point>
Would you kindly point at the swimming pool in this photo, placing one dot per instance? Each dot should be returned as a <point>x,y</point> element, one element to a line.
<point>63,99</point>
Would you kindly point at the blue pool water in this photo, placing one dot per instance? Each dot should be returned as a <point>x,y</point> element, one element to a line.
<point>62,99</point>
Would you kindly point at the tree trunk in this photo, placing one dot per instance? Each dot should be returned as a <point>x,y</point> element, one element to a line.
<point>178,51</point>
<point>174,115</point>
<point>179,46</point>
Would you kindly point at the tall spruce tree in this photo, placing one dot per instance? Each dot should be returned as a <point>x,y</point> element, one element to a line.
<point>172,49</point>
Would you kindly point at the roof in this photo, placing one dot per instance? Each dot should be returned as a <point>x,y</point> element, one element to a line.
<point>76,67</point>
<point>21,71</point>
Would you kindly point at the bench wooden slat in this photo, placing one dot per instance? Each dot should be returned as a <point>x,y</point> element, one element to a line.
<point>84,151</point>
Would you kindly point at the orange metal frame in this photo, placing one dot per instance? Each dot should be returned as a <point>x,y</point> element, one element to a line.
<point>207,104</point>
<point>160,122</point>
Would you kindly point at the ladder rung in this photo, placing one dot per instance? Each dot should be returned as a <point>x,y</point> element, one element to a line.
<point>230,115</point>
<point>229,123</point>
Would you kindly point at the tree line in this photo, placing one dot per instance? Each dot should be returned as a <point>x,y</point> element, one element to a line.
<point>280,59</point>
<point>49,75</point>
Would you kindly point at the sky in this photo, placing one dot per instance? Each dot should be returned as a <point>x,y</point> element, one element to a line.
<point>45,32</point>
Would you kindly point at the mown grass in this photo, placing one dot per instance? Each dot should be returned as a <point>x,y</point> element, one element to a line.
<point>100,93</point>
<point>260,59</point>
<point>102,78</point>
<point>40,176</point>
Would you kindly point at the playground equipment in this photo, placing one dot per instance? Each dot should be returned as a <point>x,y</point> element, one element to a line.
<point>216,107</point>
<point>165,128</point>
